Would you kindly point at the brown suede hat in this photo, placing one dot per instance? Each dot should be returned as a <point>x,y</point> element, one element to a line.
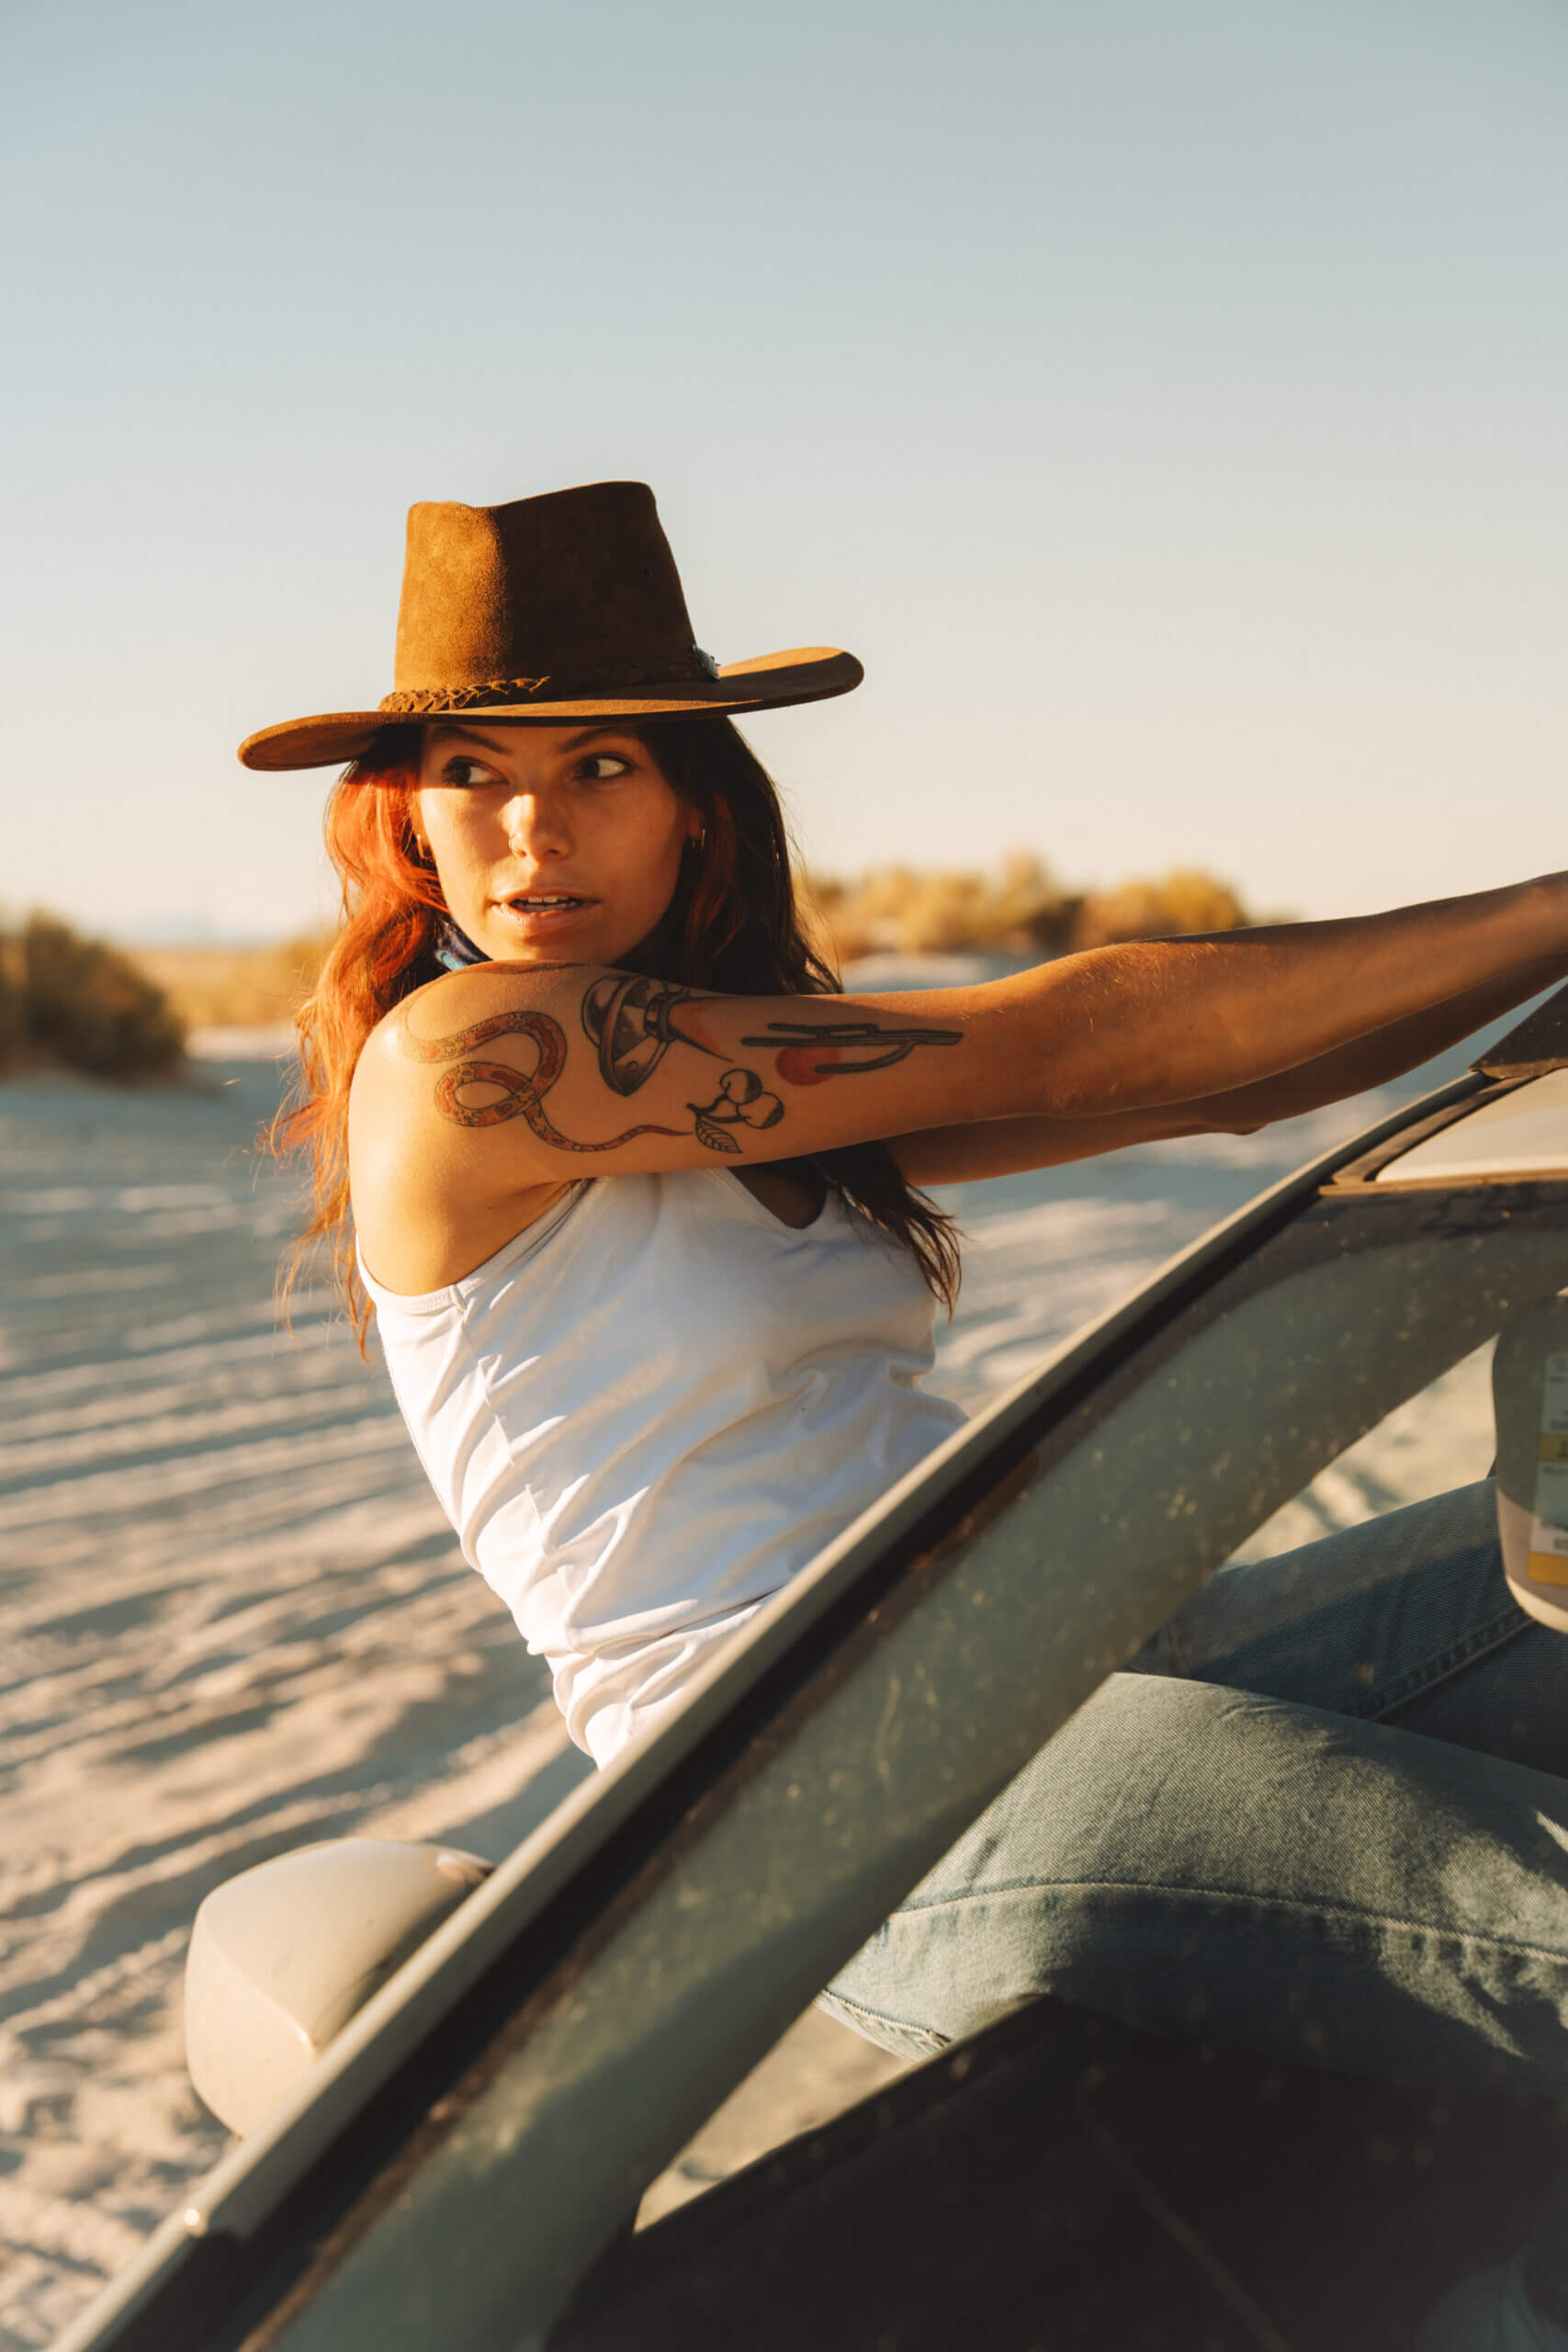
<point>566,607</point>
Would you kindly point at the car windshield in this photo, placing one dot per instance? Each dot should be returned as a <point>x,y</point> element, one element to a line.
<point>1321,1363</point>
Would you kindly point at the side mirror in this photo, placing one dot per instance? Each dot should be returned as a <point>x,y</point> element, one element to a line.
<point>1530,1394</point>
<point>283,1955</point>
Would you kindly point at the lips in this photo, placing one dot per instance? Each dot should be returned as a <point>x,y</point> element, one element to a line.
<point>533,917</point>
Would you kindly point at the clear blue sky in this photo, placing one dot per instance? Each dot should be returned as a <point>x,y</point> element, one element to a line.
<point>1167,404</point>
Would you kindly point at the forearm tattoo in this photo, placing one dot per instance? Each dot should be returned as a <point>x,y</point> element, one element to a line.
<point>631,1023</point>
<point>801,1061</point>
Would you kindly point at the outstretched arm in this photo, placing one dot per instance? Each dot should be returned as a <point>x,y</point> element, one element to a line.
<point>1176,1021</point>
<point>508,1077</point>
<point>1005,1147</point>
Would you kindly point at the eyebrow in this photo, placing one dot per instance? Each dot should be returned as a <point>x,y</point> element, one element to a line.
<point>572,743</point>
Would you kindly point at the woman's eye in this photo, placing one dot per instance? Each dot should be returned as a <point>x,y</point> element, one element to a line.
<point>466,772</point>
<point>602,767</point>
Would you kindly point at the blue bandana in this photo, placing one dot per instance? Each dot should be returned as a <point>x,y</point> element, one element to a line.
<point>453,950</point>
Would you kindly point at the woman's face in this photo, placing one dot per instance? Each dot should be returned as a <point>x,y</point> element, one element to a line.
<point>551,844</point>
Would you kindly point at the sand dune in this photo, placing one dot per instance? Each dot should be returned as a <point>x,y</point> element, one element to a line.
<point>234,1621</point>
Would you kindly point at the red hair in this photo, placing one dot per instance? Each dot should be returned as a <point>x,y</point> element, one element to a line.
<point>732,926</point>
<point>391,904</point>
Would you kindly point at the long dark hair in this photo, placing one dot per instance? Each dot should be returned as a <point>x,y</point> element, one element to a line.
<point>732,925</point>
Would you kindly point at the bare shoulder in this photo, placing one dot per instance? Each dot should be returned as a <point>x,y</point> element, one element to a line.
<point>462,1012</point>
<point>427,1211</point>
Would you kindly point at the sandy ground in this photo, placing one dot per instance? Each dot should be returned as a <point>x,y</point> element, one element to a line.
<point>234,1621</point>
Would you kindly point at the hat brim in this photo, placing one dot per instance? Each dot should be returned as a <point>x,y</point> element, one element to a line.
<point>772,681</point>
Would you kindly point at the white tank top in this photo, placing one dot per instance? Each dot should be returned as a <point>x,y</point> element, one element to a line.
<point>649,1409</point>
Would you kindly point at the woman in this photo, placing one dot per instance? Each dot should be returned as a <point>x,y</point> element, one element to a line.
<point>638,1209</point>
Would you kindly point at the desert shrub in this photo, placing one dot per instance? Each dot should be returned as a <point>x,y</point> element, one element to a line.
<point>13,1002</point>
<point>81,1004</point>
<point>1184,902</point>
<point>919,911</point>
<point>1025,911</point>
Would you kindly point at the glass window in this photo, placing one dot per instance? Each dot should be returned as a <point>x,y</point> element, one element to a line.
<point>1441,1437</point>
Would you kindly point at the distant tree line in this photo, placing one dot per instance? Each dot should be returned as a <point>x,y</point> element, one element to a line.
<point>81,1004</point>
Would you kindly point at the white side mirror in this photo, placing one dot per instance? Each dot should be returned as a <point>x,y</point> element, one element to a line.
<point>1530,1393</point>
<point>283,1955</point>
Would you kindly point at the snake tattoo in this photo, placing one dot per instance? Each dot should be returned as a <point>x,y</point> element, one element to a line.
<point>740,1099</point>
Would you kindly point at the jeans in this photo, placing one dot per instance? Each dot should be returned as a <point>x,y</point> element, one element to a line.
<point>1323,1816</point>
